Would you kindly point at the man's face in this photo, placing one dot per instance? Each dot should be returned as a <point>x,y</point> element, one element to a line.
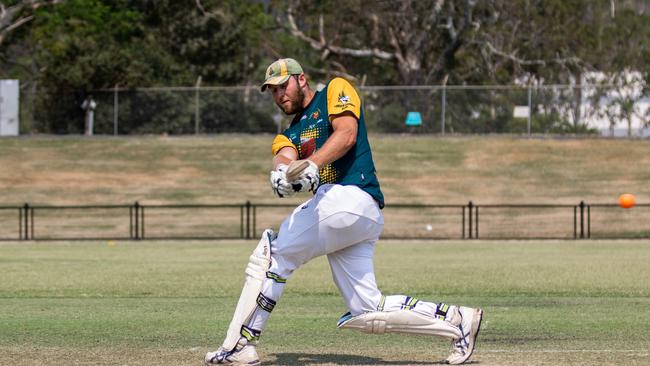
<point>288,96</point>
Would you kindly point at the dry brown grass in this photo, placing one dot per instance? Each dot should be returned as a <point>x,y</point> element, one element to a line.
<point>233,169</point>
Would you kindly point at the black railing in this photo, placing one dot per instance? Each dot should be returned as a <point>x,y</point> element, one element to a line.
<point>247,220</point>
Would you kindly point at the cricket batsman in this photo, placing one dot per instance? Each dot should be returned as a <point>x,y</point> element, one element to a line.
<point>325,150</point>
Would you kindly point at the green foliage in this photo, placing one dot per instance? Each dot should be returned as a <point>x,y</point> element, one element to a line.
<point>88,44</point>
<point>387,118</point>
<point>76,46</point>
<point>239,111</point>
<point>221,45</point>
<point>85,45</point>
<point>620,102</point>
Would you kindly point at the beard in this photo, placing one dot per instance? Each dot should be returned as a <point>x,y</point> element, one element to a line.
<point>295,103</point>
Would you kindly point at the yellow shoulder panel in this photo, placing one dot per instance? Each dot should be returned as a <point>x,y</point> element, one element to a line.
<point>341,97</point>
<point>281,141</point>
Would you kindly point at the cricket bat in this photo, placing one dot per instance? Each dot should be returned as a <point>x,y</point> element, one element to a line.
<point>296,168</point>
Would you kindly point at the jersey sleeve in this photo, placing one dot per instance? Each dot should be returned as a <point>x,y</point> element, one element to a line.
<point>281,141</point>
<point>341,97</point>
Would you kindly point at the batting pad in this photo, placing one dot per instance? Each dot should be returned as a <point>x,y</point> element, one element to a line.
<point>400,321</point>
<point>258,263</point>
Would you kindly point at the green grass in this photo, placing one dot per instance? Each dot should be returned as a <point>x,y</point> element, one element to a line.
<point>128,303</point>
<point>234,168</point>
<point>117,303</point>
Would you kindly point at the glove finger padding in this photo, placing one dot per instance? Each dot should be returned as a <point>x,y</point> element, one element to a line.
<point>308,180</point>
<point>279,183</point>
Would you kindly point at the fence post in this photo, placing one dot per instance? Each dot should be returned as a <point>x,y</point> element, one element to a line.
<point>476,223</point>
<point>589,221</point>
<point>141,221</point>
<point>26,213</point>
<point>136,208</point>
<point>582,219</point>
<point>443,108</point>
<point>530,107</point>
<point>116,109</point>
<point>254,231</point>
<point>248,219</point>
<point>470,207</point>
<point>197,116</point>
<point>131,236</point>
<point>463,226</point>
<point>575,222</point>
<point>20,223</point>
<point>31,223</point>
<point>24,224</point>
<point>241,221</point>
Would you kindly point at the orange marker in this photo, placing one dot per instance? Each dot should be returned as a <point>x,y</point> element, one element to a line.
<point>626,200</point>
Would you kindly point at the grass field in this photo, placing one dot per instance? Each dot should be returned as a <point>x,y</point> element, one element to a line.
<point>234,168</point>
<point>142,303</point>
<point>168,302</point>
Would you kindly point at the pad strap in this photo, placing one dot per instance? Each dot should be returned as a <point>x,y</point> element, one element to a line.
<point>441,311</point>
<point>275,277</point>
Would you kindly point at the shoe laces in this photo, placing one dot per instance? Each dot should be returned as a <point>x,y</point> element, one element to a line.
<point>458,347</point>
<point>222,354</point>
<point>461,344</point>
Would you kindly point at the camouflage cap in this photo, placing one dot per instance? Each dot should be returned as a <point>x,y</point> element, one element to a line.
<point>280,71</point>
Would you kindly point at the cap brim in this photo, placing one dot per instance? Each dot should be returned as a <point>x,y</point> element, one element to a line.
<point>276,80</point>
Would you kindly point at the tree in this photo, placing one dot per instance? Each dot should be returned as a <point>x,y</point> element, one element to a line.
<point>84,45</point>
<point>472,42</point>
<point>217,40</point>
<point>80,45</point>
<point>619,100</point>
<point>492,41</point>
<point>17,13</point>
<point>418,38</point>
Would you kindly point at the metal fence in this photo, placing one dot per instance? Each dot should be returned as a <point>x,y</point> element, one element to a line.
<point>247,221</point>
<point>547,109</point>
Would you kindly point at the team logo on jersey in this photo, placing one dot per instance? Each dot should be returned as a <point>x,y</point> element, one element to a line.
<point>315,114</point>
<point>344,101</point>
<point>307,147</point>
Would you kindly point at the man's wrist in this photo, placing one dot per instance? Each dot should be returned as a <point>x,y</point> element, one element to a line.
<point>316,162</point>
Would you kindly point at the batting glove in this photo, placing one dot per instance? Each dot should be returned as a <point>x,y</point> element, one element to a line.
<point>279,183</point>
<point>308,179</point>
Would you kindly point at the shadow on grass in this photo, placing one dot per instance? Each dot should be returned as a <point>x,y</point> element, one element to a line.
<point>337,359</point>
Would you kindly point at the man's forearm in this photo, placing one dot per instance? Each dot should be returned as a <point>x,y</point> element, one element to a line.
<point>284,156</point>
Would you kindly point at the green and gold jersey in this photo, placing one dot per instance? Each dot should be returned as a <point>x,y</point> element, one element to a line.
<point>310,129</point>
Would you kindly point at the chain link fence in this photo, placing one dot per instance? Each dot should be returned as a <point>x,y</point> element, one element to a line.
<point>555,109</point>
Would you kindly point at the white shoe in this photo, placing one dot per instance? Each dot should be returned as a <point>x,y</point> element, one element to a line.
<point>469,325</point>
<point>244,354</point>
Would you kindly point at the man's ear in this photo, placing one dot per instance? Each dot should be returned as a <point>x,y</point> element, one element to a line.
<point>302,80</point>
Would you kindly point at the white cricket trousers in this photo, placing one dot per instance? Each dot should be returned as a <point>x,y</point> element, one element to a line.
<point>342,222</point>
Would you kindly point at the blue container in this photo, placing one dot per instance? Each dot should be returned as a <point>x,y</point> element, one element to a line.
<point>413,119</point>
